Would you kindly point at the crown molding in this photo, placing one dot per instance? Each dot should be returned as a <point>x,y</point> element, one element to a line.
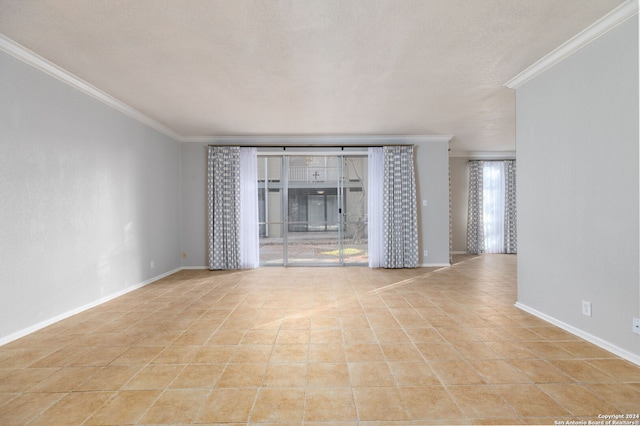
<point>609,21</point>
<point>20,52</point>
<point>317,139</point>
<point>483,155</point>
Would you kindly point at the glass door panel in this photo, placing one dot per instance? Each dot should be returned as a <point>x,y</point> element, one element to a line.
<point>314,225</point>
<point>355,242</point>
<point>270,213</point>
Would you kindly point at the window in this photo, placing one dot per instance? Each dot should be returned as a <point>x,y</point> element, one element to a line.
<point>491,220</point>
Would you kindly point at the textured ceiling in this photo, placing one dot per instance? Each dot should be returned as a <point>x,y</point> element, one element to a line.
<point>307,67</point>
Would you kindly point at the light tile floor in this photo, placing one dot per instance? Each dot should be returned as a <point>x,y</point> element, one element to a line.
<point>318,346</point>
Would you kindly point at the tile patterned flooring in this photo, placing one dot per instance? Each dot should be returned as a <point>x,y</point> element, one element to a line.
<point>314,346</point>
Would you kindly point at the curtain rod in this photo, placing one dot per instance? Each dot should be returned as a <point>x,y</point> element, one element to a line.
<point>503,159</point>
<point>284,147</point>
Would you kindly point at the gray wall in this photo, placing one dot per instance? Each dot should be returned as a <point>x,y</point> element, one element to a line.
<point>88,198</point>
<point>432,174</point>
<point>459,168</point>
<point>577,153</point>
<point>194,204</point>
<point>432,183</point>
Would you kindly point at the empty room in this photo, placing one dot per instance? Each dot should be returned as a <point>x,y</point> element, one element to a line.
<point>336,212</point>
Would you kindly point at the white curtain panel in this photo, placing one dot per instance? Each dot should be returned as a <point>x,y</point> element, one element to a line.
<point>223,196</point>
<point>400,210</point>
<point>249,239</point>
<point>493,201</point>
<point>374,208</point>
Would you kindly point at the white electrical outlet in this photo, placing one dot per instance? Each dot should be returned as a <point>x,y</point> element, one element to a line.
<point>636,325</point>
<point>153,264</point>
<point>425,253</point>
<point>586,308</point>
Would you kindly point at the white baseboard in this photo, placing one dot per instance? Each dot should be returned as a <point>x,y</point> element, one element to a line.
<point>458,252</point>
<point>195,267</point>
<point>21,333</point>
<point>607,346</point>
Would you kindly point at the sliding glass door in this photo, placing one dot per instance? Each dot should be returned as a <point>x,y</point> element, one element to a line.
<point>312,209</point>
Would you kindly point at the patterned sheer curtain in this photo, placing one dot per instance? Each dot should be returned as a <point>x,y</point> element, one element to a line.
<point>475,220</point>
<point>492,214</point>
<point>450,222</point>
<point>223,190</point>
<point>399,210</point>
<point>232,207</point>
<point>510,210</point>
